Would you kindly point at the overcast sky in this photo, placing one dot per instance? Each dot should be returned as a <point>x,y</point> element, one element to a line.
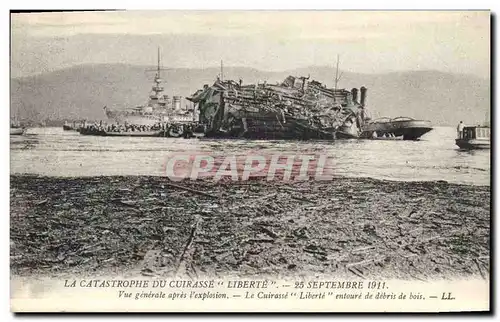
<point>370,42</point>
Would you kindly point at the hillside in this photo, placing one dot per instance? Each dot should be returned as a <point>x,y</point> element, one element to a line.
<point>82,91</point>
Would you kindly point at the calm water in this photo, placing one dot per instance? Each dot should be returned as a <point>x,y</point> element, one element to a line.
<point>54,152</point>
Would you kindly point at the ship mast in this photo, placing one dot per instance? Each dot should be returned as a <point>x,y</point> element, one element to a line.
<point>337,76</point>
<point>221,71</point>
<point>158,62</point>
<point>157,86</point>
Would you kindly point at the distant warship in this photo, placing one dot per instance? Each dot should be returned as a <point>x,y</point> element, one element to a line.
<point>159,107</point>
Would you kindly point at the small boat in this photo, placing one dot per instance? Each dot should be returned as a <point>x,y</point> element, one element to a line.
<point>17,130</point>
<point>174,131</point>
<point>404,128</point>
<point>475,137</point>
<point>387,138</point>
<point>94,132</point>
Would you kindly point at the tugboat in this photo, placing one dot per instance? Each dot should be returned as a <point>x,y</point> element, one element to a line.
<point>404,128</point>
<point>475,137</point>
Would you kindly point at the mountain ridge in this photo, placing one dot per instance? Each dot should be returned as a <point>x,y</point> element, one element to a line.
<point>151,67</point>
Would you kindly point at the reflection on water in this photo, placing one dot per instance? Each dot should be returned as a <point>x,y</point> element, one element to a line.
<point>54,152</point>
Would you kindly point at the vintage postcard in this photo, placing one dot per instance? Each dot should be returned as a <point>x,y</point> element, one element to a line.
<point>250,161</point>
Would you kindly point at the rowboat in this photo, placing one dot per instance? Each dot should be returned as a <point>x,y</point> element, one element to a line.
<point>399,127</point>
<point>174,131</point>
<point>122,134</point>
<point>475,137</point>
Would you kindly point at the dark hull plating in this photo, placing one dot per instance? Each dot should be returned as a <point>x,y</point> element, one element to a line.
<point>406,129</point>
<point>473,144</point>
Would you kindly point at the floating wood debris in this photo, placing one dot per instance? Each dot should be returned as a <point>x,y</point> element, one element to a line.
<point>246,233</point>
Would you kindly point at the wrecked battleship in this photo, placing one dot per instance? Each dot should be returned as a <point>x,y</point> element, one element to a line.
<point>297,108</point>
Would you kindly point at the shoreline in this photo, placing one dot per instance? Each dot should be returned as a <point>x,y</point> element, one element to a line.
<point>351,227</point>
<point>291,182</point>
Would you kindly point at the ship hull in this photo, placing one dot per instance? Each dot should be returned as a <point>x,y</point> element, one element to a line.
<point>404,129</point>
<point>260,127</point>
<point>347,132</point>
<point>70,128</point>
<point>135,119</point>
<point>473,144</point>
<point>149,119</point>
<point>172,132</point>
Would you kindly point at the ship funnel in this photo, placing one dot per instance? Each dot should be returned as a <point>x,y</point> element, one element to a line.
<point>354,93</point>
<point>363,95</point>
<point>176,103</point>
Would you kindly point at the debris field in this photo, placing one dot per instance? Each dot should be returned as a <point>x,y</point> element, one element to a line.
<point>356,228</point>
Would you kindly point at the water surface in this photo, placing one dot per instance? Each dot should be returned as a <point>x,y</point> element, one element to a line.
<point>54,152</point>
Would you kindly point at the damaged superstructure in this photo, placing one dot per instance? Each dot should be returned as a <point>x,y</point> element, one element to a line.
<point>297,108</point>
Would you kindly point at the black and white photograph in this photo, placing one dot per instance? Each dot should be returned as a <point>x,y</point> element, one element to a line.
<point>250,161</point>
